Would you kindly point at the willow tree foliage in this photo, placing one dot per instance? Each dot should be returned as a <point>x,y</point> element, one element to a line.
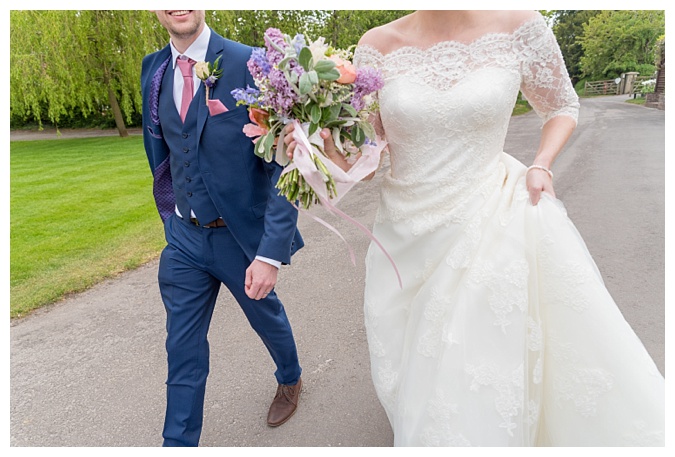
<point>65,63</point>
<point>616,42</point>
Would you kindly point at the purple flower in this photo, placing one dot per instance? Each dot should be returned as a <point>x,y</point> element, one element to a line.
<point>298,43</point>
<point>248,96</point>
<point>275,36</point>
<point>368,80</point>
<point>210,81</point>
<point>257,64</point>
<point>282,97</point>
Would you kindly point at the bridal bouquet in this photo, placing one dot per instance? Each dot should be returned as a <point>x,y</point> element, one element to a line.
<point>314,86</point>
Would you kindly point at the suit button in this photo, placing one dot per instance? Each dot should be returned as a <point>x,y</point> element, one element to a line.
<point>189,194</point>
<point>188,179</point>
<point>185,135</point>
<point>187,164</point>
<point>186,149</point>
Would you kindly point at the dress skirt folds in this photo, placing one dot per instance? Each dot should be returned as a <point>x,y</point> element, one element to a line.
<point>503,333</point>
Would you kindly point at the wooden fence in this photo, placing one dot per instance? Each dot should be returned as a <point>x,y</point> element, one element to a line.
<point>637,84</point>
<point>605,87</point>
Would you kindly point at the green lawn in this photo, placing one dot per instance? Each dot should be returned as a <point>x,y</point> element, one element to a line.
<point>81,211</point>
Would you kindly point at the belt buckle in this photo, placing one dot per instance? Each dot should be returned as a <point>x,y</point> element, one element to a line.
<point>194,221</point>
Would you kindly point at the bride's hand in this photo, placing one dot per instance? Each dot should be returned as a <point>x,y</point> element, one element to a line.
<point>328,147</point>
<point>538,181</point>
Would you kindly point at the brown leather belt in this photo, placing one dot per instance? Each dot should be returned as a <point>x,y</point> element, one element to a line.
<point>217,223</point>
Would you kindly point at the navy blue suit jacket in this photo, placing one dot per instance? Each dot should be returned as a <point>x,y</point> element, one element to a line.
<point>241,185</point>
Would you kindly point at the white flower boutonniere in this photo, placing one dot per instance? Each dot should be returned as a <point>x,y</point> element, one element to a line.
<point>209,73</point>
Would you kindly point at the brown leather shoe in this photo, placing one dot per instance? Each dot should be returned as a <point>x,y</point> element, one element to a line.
<point>284,404</point>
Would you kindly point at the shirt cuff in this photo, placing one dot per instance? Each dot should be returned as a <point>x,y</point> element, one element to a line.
<point>274,263</point>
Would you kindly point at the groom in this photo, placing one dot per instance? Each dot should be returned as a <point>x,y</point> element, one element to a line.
<point>223,220</point>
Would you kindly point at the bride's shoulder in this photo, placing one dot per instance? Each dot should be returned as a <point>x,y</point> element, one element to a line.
<point>510,21</point>
<point>516,19</point>
<point>385,38</point>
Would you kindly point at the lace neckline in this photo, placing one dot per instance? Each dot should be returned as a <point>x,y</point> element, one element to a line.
<point>486,37</point>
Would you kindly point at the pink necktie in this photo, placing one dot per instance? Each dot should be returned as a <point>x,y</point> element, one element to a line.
<point>185,66</point>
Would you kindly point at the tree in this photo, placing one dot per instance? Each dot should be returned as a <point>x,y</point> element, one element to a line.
<point>568,26</point>
<point>69,63</point>
<point>616,42</point>
<point>344,28</point>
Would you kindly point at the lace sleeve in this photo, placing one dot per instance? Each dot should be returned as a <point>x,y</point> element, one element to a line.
<point>367,56</point>
<point>545,82</point>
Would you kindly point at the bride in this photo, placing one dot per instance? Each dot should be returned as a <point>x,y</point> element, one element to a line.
<point>504,333</point>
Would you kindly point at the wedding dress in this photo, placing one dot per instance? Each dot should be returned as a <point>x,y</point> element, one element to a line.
<point>504,333</point>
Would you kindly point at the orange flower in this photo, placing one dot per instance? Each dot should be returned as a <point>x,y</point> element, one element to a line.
<point>258,126</point>
<point>346,69</point>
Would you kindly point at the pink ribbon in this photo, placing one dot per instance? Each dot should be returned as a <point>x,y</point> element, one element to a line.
<point>344,181</point>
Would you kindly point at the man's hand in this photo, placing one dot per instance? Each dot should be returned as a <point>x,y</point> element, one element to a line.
<point>261,278</point>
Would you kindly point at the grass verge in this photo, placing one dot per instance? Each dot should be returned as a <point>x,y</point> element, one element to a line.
<point>81,210</point>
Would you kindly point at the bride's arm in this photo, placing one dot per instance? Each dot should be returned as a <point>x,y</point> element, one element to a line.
<point>554,135</point>
<point>547,87</point>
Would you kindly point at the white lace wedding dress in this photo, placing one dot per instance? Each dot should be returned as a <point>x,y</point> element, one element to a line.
<point>504,333</point>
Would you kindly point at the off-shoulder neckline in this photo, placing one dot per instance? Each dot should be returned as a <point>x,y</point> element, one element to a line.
<point>456,43</point>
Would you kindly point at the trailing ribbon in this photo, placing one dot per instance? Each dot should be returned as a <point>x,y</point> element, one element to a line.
<point>344,181</point>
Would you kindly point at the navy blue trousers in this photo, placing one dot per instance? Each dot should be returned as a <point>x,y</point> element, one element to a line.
<point>192,267</point>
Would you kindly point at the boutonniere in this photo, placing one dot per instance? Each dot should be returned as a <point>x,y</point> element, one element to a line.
<point>209,73</point>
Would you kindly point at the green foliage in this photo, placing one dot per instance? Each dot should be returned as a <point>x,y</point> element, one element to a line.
<point>81,210</point>
<point>67,64</point>
<point>70,67</point>
<point>616,42</point>
<point>568,27</point>
<point>344,28</point>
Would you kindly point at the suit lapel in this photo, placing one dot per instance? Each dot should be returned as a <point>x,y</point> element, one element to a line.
<point>216,48</point>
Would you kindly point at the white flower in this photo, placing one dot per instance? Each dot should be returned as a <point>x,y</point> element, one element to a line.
<point>202,70</point>
<point>318,49</point>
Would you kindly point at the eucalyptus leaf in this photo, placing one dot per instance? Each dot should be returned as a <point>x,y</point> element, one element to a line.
<point>305,85</point>
<point>324,65</point>
<point>330,75</point>
<point>282,65</point>
<point>357,136</point>
<point>305,58</point>
<point>335,112</point>
<point>312,128</point>
<point>315,114</point>
<point>368,129</point>
<point>350,109</point>
<point>313,77</point>
<point>268,144</point>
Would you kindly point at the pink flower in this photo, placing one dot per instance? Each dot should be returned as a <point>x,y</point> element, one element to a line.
<point>258,127</point>
<point>346,69</point>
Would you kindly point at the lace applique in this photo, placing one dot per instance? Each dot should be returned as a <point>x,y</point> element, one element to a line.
<point>530,51</point>
<point>643,437</point>
<point>443,414</point>
<point>439,331</point>
<point>386,385</point>
<point>581,386</point>
<point>374,344</point>
<point>508,289</point>
<point>567,288</point>
<point>509,388</point>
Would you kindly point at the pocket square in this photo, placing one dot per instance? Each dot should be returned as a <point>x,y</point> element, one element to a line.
<point>216,107</point>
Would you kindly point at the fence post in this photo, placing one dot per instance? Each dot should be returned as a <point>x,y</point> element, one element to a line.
<point>630,81</point>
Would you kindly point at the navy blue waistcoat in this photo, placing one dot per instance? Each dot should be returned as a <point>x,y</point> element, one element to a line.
<point>188,185</point>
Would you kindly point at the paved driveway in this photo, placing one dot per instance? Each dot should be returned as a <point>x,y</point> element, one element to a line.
<point>90,370</point>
